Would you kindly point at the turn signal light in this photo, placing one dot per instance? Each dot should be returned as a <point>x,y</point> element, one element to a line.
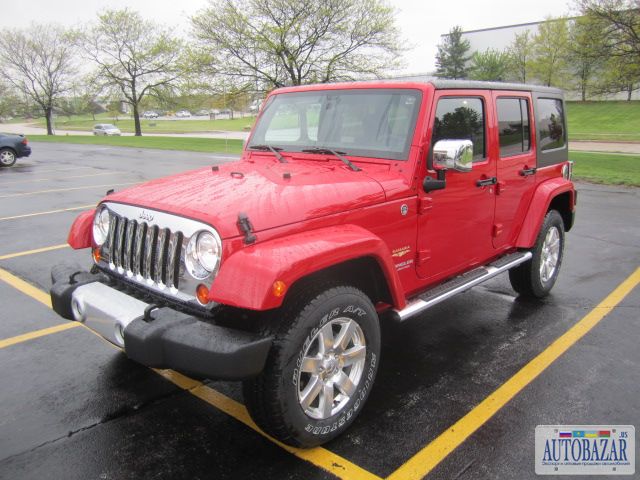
<point>202,293</point>
<point>96,255</point>
<point>279,288</point>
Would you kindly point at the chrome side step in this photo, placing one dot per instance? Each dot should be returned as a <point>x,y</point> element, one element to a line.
<point>458,285</point>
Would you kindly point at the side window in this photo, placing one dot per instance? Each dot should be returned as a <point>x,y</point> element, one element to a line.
<point>513,126</point>
<point>461,118</point>
<point>550,118</point>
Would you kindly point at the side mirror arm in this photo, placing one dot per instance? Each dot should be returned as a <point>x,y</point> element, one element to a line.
<point>429,184</point>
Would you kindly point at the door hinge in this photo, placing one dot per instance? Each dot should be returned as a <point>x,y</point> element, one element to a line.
<point>497,229</point>
<point>424,205</point>
<point>423,256</point>
<point>500,187</point>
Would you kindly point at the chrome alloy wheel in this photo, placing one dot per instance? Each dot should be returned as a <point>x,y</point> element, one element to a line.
<point>331,368</point>
<point>550,254</point>
<point>7,157</point>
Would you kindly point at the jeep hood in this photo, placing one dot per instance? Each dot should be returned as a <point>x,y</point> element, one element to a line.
<point>270,194</point>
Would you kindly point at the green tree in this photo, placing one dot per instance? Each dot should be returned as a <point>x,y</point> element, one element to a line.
<point>490,65</point>
<point>9,102</point>
<point>618,75</point>
<point>551,52</point>
<point>452,56</point>
<point>521,53</point>
<point>39,62</point>
<point>586,51</point>
<point>133,55</point>
<point>272,43</point>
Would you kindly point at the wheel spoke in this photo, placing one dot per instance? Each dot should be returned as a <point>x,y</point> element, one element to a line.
<point>345,385</point>
<point>310,365</point>
<point>311,391</point>
<point>326,400</point>
<point>354,355</point>
<point>325,337</point>
<point>345,336</point>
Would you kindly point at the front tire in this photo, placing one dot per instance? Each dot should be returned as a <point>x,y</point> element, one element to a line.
<point>536,277</point>
<point>7,157</point>
<point>320,369</point>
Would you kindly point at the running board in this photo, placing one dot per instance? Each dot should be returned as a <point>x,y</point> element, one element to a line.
<point>459,284</point>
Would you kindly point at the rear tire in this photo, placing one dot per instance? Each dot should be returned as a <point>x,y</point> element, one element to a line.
<point>321,367</point>
<point>536,277</point>
<point>7,157</point>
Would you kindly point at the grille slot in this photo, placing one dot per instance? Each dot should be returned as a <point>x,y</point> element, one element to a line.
<point>145,251</point>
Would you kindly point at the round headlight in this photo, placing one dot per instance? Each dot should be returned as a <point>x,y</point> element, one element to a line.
<point>202,255</point>
<point>208,251</point>
<point>101,222</point>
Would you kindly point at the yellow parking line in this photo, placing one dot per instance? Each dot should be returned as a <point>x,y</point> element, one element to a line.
<point>320,457</point>
<point>24,194</point>
<point>36,180</point>
<point>25,287</point>
<point>37,333</point>
<point>31,252</point>
<point>14,217</point>
<point>430,456</point>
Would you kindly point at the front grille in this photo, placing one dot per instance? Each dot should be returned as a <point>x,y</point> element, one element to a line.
<point>145,251</point>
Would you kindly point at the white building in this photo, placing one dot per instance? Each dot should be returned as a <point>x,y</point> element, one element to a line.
<point>499,38</point>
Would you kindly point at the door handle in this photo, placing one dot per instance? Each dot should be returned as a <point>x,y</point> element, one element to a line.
<point>527,171</point>
<point>485,182</point>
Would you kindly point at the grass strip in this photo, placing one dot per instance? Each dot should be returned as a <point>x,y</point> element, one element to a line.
<point>189,144</point>
<point>606,168</point>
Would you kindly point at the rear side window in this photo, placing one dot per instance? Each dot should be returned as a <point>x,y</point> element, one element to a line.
<point>461,118</point>
<point>513,126</point>
<point>550,118</point>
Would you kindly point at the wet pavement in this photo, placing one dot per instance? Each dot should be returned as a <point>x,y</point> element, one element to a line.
<point>75,407</point>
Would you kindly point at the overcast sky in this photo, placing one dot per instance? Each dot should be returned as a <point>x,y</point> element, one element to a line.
<point>421,22</point>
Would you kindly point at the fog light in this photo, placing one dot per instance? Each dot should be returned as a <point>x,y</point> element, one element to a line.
<point>279,288</point>
<point>202,294</point>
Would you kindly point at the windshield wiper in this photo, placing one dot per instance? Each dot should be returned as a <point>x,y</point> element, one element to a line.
<point>275,150</point>
<point>346,161</point>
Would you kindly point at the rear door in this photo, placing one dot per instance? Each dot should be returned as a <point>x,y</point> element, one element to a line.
<point>516,164</point>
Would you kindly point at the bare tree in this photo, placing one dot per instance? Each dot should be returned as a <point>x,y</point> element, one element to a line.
<point>134,55</point>
<point>622,25</point>
<point>272,43</point>
<point>39,63</point>
<point>619,36</point>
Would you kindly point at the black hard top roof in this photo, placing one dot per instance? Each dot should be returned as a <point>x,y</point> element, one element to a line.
<point>443,83</point>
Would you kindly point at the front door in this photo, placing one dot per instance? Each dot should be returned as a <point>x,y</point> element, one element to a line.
<point>455,228</point>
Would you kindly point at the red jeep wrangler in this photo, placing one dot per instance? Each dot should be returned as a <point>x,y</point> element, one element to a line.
<point>352,204</point>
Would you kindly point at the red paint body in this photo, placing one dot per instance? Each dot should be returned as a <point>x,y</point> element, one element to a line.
<point>326,214</point>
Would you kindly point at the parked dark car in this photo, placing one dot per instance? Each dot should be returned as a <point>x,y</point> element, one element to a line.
<point>13,147</point>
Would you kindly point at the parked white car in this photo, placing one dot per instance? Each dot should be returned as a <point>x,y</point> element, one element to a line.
<point>106,129</point>
<point>183,114</point>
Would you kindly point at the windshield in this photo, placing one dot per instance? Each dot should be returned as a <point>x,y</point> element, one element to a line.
<point>362,123</point>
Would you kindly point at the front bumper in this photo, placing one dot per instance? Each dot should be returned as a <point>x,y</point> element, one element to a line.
<point>157,337</point>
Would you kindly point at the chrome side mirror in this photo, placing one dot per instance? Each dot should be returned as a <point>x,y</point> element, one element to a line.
<point>453,154</point>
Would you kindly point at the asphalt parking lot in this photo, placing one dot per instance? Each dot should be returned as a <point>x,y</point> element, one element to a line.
<point>459,391</point>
